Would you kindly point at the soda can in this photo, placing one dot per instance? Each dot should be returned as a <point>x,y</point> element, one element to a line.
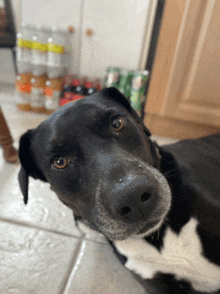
<point>126,82</point>
<point>112,77</point>
<point>138,89</point>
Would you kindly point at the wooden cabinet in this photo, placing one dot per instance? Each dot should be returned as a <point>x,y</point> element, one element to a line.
<point>184,93</point>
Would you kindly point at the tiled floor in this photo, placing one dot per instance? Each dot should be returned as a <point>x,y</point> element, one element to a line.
<point>41,251</point>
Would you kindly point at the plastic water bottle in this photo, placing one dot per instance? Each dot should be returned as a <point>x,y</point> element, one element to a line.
<point>39,50</point>
<point>24,49</point>
<point>57,53</point>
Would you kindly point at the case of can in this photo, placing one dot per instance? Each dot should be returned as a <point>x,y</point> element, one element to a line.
<point>138,89</point>
<point>112,77</point>
<point>125,83</point>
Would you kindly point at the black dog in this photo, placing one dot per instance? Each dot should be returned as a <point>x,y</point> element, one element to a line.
<point>158,206</point>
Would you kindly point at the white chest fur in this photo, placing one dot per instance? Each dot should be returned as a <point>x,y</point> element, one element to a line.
<point>181,256</point>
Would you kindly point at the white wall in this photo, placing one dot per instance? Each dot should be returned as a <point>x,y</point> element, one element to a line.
<point>7,73</point>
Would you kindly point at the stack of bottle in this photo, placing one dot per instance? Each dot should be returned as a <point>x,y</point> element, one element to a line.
<point>131,83</point>
<point>42,62</point>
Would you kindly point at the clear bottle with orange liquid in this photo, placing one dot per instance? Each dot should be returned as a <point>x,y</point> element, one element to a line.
<point>23,91</point>
<point>53,94</point>
<point>37,101</point>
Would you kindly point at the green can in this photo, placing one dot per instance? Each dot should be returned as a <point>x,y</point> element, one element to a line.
<point>138,89</point>
<point>112,77</point>
<point>125,82</point>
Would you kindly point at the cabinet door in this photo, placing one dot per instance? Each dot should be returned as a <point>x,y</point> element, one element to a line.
<point>118,29</point>
<point>55,13</point>
<point>191,89</point>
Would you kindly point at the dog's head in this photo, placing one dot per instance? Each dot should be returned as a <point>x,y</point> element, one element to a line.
<point>98,158</point>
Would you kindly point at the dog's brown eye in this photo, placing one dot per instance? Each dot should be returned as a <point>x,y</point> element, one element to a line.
<point>60,162</point>
<point>118,124</point>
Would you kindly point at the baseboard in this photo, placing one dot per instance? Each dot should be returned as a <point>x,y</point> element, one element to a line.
<point>178,129</point>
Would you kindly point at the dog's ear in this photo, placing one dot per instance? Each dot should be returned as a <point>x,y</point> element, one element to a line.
<point>114,94</point>
<point>139,120</point>
<point>28,164</point>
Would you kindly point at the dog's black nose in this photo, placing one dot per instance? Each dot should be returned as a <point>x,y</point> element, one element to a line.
<point>133,197</point>
<point>127,209</point>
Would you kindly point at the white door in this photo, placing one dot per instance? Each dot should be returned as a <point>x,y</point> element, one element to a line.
<point>118,31</point>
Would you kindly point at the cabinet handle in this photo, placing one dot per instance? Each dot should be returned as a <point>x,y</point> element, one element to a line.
<point>89,32</point>
<point>71,29</point>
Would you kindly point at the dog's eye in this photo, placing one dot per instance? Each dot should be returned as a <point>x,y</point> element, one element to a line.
<point>60,162</point>
<point>118,124</point>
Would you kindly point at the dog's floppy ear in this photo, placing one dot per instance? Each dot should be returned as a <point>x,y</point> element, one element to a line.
<point>114,94</point>
<point>28,164</point>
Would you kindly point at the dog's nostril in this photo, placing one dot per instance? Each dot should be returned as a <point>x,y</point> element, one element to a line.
<point>125,210</point>
<point>145,197</point>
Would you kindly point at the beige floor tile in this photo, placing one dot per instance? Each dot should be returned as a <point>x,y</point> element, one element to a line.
<point>100,272</point>
<point>34,261</point>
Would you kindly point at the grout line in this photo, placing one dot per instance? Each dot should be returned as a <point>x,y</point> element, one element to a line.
<point>37,227</point>
<point>74,265</point>
<point>30,225</point>
<point>95,241</point>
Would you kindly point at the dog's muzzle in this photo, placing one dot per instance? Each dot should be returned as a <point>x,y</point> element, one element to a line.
<point>130,200</point>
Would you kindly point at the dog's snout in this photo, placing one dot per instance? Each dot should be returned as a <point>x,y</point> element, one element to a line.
<point>132,197</point>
